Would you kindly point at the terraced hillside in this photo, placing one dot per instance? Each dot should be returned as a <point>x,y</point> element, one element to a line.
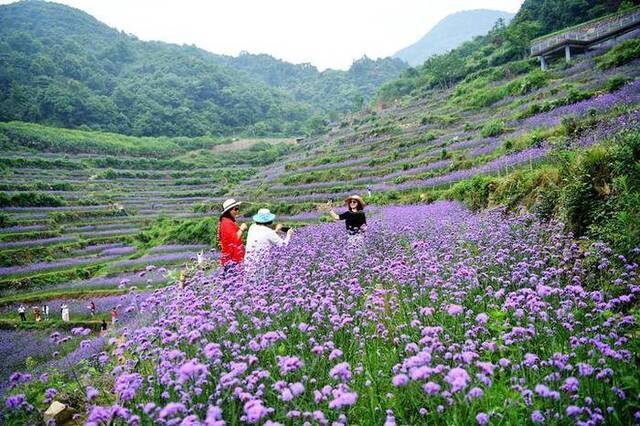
<point>493,123</point>
<point>86,216</point>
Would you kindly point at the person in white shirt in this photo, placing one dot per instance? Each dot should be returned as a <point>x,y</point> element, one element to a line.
<point>22,312</point>
<point>260,239</point>
<point>64,309</point>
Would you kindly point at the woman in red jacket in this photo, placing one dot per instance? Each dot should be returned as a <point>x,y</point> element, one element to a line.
<point>230,235</point>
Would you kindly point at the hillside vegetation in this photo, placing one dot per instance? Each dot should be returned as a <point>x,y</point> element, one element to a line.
<point>503,44</point>
<point>62,67</point>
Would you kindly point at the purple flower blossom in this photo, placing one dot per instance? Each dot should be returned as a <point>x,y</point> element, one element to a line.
<point>458,379</point>
<point>341,371</point>
<point>400,380</point>
<point>455,309</point>
<point>482,418</point>
<point>342,398</point>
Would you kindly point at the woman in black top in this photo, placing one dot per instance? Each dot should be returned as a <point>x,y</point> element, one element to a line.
<point>354,217</point>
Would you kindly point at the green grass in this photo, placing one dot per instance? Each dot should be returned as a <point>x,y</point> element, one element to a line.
<point>619,55</point>
<point>57,294</point>
<point>53,139</point>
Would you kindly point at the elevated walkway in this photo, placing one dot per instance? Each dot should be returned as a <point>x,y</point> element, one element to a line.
<point>581,37</point>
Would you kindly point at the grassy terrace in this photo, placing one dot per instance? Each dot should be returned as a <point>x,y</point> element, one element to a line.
<point>74,205</point>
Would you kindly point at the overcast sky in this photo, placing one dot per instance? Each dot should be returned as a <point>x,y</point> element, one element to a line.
<point>326,33</point>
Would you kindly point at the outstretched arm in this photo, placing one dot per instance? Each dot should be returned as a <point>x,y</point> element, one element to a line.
<point>333,214</point>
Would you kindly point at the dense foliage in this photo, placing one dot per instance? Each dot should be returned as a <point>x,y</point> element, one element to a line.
<point>63,67</point>
<point>503,44</point>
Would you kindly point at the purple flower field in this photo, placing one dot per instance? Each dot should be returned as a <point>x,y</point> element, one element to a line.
<point>22,228</point>
<point>160,258</point>
<point>39,242</point>
<point>125,279</point>
<point>607,128</point>
<point>439,316</point>
<point>51,266</point>
<point>522,157</point>
<point>627,95</point>
<point>16,346</point>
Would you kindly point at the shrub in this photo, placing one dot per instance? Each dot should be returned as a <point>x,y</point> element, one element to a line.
<point>6,220</point>
<point>532,81</point>
<point>473,192</point>
<point>492,128</point>
<point>619,55</point>
<point>587,187</point>
<point>526,188</point>
<point>30,199</point>
<point>602,192</point>
<point>616,82</point>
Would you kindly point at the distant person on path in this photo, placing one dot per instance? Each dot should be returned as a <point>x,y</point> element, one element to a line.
<point>45,311</point>
<point>260,238</point>
<point>354,218</point>
<point>230,235</point>
<point>92,309</point>
<point>114,316</point>
<point>22,312</point>
<point>36,314</point>
<point>64,310</point>
<point>103,326</point>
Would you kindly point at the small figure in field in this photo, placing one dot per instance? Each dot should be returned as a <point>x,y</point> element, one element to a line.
<point>354,218</point>
<point>45,311</point>
<point>230,236</point>
<point>103,326</point>
<point>22,312</point>
<point>36,314</point>
<point>64,310</point>
<point>369,192</point>
<point>92,309</point>
<point>114,316</point>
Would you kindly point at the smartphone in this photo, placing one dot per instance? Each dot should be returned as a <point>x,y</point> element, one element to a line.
<point>285,228</point>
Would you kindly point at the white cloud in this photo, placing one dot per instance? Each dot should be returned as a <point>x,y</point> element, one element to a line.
<point>326,33</point>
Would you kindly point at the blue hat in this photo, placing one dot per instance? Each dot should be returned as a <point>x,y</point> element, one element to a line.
<point>264,216</point>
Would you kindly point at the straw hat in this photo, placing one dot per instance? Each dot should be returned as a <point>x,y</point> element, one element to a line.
<point>229,204</point>
<point>264,216</point>
<point>354,197</point>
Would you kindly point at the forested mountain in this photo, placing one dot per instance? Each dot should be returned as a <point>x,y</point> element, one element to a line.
<point>61,66</point>
<point>332,90</point>
<point>450,33</point>
<point>504,43</point>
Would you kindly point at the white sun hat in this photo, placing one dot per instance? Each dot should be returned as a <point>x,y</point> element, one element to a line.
<point>229,204</point>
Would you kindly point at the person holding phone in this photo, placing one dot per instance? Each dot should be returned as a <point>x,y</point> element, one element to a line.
<point>261,238</point>
<point>354,218</point>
